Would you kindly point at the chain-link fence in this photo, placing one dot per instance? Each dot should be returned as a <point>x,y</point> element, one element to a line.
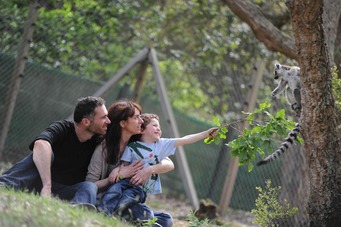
<point>47,94</point>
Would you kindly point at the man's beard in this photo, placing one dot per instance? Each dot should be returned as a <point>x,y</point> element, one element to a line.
<point>96,130</point>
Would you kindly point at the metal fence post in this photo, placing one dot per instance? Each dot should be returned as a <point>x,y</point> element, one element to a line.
<point>233,165</point>
<point>180,155</point>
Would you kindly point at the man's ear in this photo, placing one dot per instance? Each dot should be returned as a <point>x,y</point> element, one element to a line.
<point>85,121</point>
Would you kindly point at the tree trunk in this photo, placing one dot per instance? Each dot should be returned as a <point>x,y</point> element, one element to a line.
<point>322,143</point>
<point>18,72</point>
<point>293,181</point>
<point>331,17</point>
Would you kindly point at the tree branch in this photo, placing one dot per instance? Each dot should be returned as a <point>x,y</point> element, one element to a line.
<point>263,29</point>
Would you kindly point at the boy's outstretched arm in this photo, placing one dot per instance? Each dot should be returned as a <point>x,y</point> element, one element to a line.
<point>192,138</point>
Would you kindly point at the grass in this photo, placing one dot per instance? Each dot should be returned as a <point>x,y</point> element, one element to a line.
<point>29,210</point>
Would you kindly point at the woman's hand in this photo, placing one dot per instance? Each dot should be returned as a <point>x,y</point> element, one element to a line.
<point>131,170</point>
<point>113,176</point>
<point>141,176</point>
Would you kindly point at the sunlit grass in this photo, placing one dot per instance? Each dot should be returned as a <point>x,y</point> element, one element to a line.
<point>25,209</point>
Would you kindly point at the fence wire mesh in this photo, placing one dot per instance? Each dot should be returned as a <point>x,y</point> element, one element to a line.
<point>47,94</point>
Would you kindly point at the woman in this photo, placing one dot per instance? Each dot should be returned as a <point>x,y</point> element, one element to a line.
<point>104,167</point>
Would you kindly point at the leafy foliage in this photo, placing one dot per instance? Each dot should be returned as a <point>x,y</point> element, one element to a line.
<point>94,39</point>
<point>193,221</point>
<point>221,133</point>
<point>336,87</point>
<point>258,139</point>
<point>268,209</point>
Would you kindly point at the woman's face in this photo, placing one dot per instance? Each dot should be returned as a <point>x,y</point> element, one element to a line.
<point>133,124</point>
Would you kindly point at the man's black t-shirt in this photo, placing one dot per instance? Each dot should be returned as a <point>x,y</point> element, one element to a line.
<point>71,157</point>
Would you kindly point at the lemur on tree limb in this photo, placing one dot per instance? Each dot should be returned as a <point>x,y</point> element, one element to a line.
<point>290,83</point>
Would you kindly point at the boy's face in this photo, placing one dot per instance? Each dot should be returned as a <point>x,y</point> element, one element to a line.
<point>152,132</point>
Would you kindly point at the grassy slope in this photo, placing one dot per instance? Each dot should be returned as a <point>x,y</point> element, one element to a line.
<point>24,209</point>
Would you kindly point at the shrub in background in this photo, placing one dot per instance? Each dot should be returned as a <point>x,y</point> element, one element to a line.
<point>269,211</point>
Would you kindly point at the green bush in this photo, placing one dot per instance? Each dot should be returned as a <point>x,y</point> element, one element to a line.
<point>193,221</point>
<point>268,209</point>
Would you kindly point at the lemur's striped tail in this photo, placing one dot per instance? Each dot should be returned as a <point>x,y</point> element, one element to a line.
<point>292,136</point>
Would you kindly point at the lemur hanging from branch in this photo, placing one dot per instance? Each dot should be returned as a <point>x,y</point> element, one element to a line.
<point>290,83</point>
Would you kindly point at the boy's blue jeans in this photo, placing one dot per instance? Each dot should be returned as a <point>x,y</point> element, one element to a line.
<point>120,196</point>
<point>25,176</point>
<point>127,201</point>
<point>142,212</point>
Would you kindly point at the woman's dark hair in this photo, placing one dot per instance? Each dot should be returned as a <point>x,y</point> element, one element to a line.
<point>118,111</point>
<point>86,107</point>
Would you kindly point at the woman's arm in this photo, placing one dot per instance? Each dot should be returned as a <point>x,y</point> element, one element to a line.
<point>143,175</point>
<point>97,169</point>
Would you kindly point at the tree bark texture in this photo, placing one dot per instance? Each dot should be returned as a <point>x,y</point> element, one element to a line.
<point>322,143</point>
<point>263,29</point>
<point>18,72</point>
<point>293,181</point>
<point>331,17</point>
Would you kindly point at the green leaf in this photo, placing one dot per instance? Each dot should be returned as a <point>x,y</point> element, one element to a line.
<point>250,167</point>
<point>208,140</point>
<point>222,135</point>
<point>280,114</point>
<point>250,118</point>
<point>265,105</point>
<point>224,130</point>
<point>216,121</point>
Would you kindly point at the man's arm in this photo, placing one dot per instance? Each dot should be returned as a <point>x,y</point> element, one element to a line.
<point>42,157</point>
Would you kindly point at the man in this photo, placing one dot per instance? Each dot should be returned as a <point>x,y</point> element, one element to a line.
<point>61,155</point>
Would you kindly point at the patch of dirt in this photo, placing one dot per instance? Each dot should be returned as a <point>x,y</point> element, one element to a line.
<point>180,210</point>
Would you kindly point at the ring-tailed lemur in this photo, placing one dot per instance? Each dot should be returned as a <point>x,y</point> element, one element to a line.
<point>290,82</point>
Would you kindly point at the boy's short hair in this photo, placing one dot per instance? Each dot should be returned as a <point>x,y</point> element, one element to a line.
<point>147,117</point>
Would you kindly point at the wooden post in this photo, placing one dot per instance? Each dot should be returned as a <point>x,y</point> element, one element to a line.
<point>231,175</point>
<point>18,71</point>
<point>141,75</point>
<point>139,57</point>
<point>167,109</point>
<point>142,55</point>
